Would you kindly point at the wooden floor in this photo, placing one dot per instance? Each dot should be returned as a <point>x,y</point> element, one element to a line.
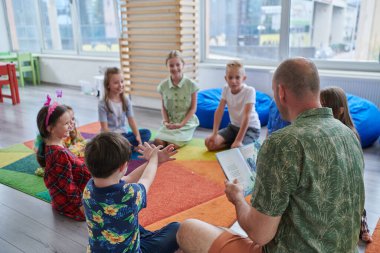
<point>29,225</point>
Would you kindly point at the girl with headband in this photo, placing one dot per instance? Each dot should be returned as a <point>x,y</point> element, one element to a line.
<point>65,175</point>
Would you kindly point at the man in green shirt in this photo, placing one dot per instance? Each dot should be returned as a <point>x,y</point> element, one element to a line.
<point>309,191</point>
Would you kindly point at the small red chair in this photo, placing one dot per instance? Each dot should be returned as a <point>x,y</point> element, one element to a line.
<point>9,70</point>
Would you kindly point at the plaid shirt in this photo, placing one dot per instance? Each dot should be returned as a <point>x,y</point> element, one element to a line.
<point>65,177</point>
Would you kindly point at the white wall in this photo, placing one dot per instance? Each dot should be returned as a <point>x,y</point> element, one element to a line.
<point>4,41</point>
<point>69,70</point>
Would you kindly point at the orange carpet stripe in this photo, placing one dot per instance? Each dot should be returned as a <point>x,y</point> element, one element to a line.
<point>218,211</point>
<point>29,144</point>
<point>92,128</point>
<point>176,189</point>
<point>208,169</point>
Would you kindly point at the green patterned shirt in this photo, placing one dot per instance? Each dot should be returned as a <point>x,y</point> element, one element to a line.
<point>311,174</point>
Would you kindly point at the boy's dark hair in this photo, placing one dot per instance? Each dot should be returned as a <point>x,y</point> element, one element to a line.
<point>42,128</point>
<point>105,153</point>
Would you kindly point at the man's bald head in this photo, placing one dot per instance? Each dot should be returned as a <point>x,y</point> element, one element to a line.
<point>299,75</point>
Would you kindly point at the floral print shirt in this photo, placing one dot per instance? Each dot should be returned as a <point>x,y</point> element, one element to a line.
<point>112,216</point>
<point>311,174</point>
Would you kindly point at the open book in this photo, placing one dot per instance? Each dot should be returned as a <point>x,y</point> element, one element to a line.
<point>240,163</point>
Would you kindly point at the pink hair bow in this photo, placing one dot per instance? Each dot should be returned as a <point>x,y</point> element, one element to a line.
<point>48,100</point>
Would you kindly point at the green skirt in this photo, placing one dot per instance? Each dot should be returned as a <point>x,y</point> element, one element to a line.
<point>181,136</point>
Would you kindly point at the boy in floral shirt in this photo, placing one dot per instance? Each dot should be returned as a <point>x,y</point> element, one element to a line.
<point>112,201</point>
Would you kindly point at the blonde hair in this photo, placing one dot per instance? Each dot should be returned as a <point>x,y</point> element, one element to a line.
<point>174,54</point>
<point>235,65</point>
<point>107,78</point>
<point>335,98</point>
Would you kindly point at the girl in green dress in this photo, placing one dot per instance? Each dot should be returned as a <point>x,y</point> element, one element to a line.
<point>179,103</point>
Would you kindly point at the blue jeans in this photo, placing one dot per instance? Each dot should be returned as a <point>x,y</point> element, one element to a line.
<point>160,241</point>
<point>144,133</point>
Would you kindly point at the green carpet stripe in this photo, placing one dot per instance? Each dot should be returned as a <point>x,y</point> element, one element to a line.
<point>27,165</point>
<point>26,183</point>
<point>44,196</point>
<point>13,153</point>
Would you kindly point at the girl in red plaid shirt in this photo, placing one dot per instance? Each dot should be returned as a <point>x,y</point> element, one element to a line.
<point>65,174</point>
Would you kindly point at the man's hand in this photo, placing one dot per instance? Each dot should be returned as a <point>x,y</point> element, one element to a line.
<point>234,191</point>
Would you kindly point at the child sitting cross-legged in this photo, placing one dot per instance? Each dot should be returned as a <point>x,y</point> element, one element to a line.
<point>240,100</point>
<point>112,201</point>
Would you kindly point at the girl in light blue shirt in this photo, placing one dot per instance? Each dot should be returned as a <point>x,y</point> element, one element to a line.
<point>116,108</point>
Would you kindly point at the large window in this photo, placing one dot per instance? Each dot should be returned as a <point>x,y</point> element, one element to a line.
<point>99,28</point>
<point>24,25</point>
<point>57,25</point>
<point>68,26</point>
<point>243,29</point>
<point>340,34</point>
<point>325,30</point>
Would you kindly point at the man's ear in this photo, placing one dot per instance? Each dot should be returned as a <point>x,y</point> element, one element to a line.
<point>244,78</point>
<point>225,78</point>
<point>282,93</point>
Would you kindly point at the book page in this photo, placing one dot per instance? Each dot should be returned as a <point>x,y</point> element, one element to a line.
<point>237,229</point>
<point>249,153</point>
<point>235,167</point>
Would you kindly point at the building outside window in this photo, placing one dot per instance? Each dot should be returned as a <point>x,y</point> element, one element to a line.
<point>327,30</point>
<point>99,28</point>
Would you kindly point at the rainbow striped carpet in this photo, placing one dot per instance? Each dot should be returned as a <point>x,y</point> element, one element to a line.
<point>190,187</point>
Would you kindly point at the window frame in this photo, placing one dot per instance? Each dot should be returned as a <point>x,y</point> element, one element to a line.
<point>283,47</point>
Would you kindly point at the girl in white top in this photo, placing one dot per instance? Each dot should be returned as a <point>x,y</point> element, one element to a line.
<point>115,108</point>
<point>240,100</point>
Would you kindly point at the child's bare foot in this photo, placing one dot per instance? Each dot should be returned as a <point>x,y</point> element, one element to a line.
<point>366,237</point>
<point>158,142</point>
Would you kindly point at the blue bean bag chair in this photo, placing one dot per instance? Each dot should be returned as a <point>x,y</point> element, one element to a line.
<point>366,117</point>
<point>208,101</point>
